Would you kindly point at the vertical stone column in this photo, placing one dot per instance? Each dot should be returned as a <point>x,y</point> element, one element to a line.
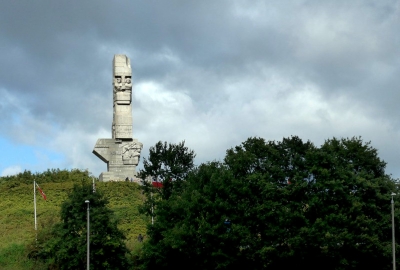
<point>122,152</point>
<point>122,92</point>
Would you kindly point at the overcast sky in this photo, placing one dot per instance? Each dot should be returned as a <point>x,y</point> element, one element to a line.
<point>212,73</point>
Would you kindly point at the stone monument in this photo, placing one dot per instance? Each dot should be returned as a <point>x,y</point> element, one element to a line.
<point>122,152</point>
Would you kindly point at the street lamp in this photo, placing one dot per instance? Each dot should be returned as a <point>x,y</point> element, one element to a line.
<point>88,240</point>
<point>393,241</point>
<point>227,224</point>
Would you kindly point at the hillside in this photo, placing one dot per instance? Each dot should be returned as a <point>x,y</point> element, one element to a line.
<point>17,210</point>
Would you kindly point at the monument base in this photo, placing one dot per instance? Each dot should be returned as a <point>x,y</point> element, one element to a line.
<point>121,157</point>
<point>111,176</point>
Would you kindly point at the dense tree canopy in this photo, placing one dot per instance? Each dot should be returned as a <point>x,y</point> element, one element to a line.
<point>273,205</point>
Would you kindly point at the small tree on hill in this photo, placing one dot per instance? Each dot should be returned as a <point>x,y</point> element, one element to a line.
<point>107,248</point>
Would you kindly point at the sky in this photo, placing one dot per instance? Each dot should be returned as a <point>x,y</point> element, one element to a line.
<point>212,73</point>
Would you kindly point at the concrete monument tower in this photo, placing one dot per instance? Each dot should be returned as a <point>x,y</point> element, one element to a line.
<point>122,152</point>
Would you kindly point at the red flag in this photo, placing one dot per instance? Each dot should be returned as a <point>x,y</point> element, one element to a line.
<point>157,184</point>
<point>41,192</point>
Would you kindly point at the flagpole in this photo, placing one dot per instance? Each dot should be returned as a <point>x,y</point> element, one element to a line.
<point>152,217</point>
<point>34,202</point>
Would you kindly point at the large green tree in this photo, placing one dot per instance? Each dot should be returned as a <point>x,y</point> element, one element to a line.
<point>279,204</point>
<point>68,247</point>
<point>168,164</point>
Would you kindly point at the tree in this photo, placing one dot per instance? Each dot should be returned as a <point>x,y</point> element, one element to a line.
<point>289,204</point>
<point>169,165</point>
<point>68,248</point>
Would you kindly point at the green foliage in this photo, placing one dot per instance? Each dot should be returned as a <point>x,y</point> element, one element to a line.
<point>17,219</point>
<point>168,164</point>
<point>49,176</point>
<point>68,245</point>
<point>290,204</point>
<point>14,257</point>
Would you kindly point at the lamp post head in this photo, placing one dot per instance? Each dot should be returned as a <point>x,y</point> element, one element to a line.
<point>87,201</point>
<point>393,194</point>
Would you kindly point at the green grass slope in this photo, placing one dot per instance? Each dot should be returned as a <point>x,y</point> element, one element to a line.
<point>17,210</point>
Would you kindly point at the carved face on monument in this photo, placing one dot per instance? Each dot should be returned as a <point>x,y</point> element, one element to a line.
<point>128,83</point>
<point>122,83</point>
<point>118,83</point>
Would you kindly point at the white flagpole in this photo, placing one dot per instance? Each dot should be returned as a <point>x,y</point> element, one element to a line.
<point>34,202</point>
<point>152,217</point>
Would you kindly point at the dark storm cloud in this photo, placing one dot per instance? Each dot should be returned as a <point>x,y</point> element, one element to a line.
<point>211,72</point>
<point>55,50</point>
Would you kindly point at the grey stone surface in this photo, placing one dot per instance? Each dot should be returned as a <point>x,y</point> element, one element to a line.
<point>122,152</point>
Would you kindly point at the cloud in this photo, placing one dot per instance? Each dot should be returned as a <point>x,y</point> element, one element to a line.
<point>11,170</point>
<point>212,73</point>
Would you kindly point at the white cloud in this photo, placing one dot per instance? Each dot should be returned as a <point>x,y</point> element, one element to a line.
<point>12,170</point>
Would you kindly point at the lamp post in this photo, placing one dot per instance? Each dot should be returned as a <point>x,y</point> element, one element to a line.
<point>227,224</point>
<point>393,241</point>
<point>88,240</point>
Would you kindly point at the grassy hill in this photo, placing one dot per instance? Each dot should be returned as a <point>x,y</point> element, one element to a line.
<point>17,210</point>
